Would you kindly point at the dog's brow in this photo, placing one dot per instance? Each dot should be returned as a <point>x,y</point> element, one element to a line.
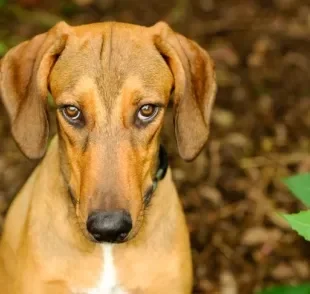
<point>148,97</point>
<point>83,85</point>
<point>135,90</point>
<point>137,97</point>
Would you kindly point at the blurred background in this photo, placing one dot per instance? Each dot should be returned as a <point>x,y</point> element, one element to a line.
<point>260,128</point>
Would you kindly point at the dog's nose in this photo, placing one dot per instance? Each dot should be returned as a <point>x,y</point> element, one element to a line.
<point>113,226</point>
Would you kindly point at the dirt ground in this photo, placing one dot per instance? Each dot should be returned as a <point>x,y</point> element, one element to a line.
<point>260,129</point>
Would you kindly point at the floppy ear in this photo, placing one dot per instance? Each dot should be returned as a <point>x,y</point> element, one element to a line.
<point>194,88</point>
<point>24,74</point>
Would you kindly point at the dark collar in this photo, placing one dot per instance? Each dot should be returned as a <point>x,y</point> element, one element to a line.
<point>162,167</point>
<point>160,174</point>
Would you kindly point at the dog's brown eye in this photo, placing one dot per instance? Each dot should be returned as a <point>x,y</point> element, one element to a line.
<point>72,114</point>
<point>147,112</point>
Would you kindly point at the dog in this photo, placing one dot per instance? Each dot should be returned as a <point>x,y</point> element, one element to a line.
<point>100,214</point>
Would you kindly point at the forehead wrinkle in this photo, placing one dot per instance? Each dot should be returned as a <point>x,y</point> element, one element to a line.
<point>107,90</point>
<point>109,78</point>
<point>111,45</point>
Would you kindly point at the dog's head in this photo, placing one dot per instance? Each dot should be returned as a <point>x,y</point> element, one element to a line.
<point>111,83</point>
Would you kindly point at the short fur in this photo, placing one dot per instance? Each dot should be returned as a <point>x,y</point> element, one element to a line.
<point>108,70</point>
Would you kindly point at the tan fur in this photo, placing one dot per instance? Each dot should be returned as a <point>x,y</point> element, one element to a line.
<point>109,71</point>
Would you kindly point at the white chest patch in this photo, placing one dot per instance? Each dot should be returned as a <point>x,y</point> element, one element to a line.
<point>107,283</point>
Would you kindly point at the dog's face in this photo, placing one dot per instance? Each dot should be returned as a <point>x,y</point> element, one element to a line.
<point>111,83</point>
<point>110,109</point>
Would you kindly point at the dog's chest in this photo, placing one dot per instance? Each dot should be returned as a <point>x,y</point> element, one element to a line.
<point>107,283</point>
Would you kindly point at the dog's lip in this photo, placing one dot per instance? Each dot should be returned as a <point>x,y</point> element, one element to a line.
<point>94,240</point>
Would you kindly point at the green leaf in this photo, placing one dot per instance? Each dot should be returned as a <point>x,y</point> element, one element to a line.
<point>301,289</point>
<point>300,186</point>
<point>300,222</point>
<point>3,48</point>
<point>50,100</point>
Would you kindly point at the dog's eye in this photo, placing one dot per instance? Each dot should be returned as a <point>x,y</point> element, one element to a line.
<point>147,112</point>
<point>72,114</point>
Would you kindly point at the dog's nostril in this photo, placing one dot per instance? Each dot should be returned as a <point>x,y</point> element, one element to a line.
<point>109,226</point>
<point>122,236</point>
<point>97,236</point>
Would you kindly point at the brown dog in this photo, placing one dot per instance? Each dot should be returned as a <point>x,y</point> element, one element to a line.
<point>99,215</point>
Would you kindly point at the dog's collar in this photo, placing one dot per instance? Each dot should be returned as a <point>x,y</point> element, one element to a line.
<point>162,167</point>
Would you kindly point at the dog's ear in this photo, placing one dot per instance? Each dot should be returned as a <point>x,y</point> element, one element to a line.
<point>194,88</point>
<point>24,74</point>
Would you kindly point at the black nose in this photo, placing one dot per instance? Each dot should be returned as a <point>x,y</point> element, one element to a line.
<point>113,226</point>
